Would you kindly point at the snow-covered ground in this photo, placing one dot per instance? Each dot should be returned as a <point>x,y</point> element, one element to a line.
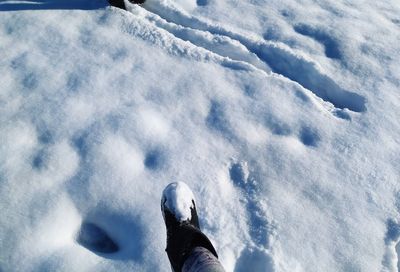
<point>282,117</point>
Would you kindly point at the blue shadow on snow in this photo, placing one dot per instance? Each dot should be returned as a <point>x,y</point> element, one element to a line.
<point>112,234</point>
<point>392,231</point>
<point>52,4</point>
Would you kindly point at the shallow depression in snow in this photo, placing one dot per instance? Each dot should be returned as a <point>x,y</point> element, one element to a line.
<point>282,119</point>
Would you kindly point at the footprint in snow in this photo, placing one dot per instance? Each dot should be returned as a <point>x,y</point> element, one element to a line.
<point>40,160</point>
<point>155,159</point>
<point>256,259</point>
<point>202,3</point>
<point>396,21</point>
<point>332,48</point>
<point>41,157</point>
<point>392,242</point>
<point>254,255</point>
<point>217,121</point>
<point>277,126</point>
<point>111,234</point>
<point>309,136</point>
<point>96,239</point>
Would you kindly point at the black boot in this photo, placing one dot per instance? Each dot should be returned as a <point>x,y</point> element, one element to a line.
<point>117,3</point>
<point>121,4</point>
<point>183,229</point>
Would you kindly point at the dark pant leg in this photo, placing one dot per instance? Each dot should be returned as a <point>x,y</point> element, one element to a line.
<point>202,260</point>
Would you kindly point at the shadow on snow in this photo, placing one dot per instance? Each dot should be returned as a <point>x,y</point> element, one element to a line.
<point>51,4</point>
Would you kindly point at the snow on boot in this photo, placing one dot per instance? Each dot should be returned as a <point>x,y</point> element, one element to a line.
<point>183,230</point>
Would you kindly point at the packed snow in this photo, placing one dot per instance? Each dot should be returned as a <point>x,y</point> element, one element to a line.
<point>281,116</point>
<point>178,199</point>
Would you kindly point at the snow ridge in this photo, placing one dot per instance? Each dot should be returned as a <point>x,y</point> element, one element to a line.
<point>100,108</point>
<point>264,55</point>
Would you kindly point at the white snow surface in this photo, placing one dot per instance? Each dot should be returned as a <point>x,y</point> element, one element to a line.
<point>178,199</point>
<point>281,116</point>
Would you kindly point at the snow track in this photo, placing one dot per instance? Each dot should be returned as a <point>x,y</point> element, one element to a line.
<point>391,260</point>
<point>256,254</point>
<point>264,55</point>
<point>262,114</point>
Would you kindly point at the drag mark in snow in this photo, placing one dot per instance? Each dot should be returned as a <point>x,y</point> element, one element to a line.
<point>306,73</point>
<point>331,45</point>
<point>392,240</point>
<point>264,55</point>
<point>220,45</point>
<point>256,254</point>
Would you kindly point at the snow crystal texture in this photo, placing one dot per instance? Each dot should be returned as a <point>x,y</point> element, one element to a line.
<point>281,116</point>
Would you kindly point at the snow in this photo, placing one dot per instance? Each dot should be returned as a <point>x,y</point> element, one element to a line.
<point>281,116</point>
<point>178,199</point>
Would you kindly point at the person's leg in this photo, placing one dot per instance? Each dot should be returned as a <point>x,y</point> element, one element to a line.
<point>202,260</point>
<point>187,246</point>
